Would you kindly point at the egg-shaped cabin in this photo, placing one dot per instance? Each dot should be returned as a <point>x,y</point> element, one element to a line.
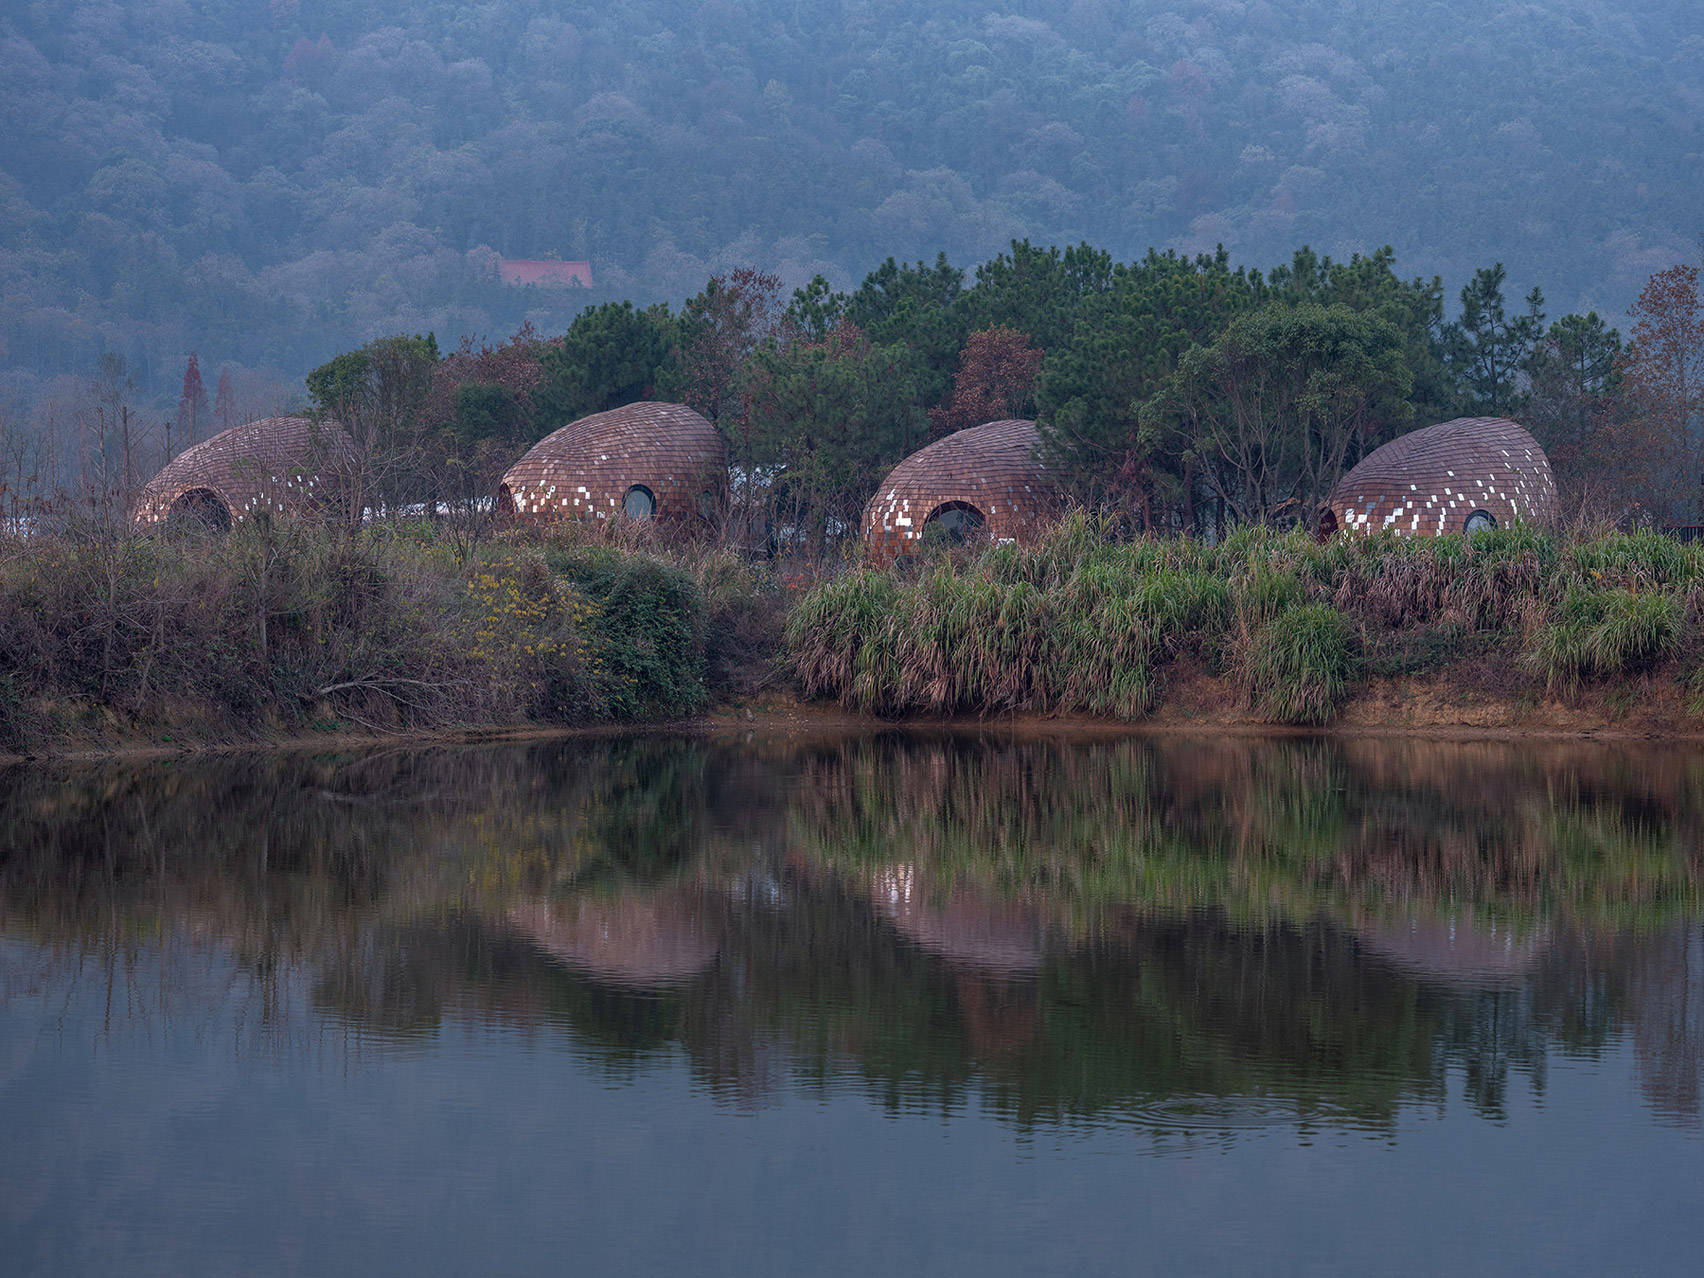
<point>982,484</point>
<point>273,466</point>
<point>644,461</point>
<point>1456,477</point>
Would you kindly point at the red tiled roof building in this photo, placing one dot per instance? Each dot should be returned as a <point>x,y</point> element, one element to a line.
<point>276,466</point>
<point>983,483</point>
<point>1457,476</point>
<point>644,461</point>
<point>544,272</point>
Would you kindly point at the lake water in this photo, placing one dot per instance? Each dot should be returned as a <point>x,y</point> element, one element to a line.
<point>897,1004</point>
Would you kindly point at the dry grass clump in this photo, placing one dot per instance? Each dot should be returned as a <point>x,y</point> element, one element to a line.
<point>290,624</point>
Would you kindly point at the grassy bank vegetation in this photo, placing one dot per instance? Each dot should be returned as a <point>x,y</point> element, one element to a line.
<point>1086,623</point>
<point>292,627</point>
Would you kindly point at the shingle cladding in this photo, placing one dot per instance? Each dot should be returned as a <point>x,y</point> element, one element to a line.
<point>994,468</point>
<point>1426,483</point>
<point>588,466</point>
<point>275,465</point>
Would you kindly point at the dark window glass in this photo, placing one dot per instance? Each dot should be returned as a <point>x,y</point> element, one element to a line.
<point>639,504</point>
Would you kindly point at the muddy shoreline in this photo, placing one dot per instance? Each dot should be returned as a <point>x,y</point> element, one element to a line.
<point>1423,709</point>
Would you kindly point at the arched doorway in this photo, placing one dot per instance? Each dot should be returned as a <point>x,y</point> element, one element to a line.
<point>954,523</point>
<point>199,509</point>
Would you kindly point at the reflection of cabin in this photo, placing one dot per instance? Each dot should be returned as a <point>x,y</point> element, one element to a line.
<point>1454,951</point>
<point>963,926</point>
<point>645,461</point>
<point>986,483</point>
<point>277,465</point>
<point>642,940</point>
<point>1458,476</point>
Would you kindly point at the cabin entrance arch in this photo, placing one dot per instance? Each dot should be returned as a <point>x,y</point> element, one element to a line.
<point>954,522</point>
<point>200,508</point>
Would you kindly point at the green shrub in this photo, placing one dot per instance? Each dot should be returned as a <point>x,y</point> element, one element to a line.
<point>645,640</point>
<point>1599,634</point>
<point>834,622</point>
<point>1261,590</point>
<point>1299,666</point>
<point>1641,560</point>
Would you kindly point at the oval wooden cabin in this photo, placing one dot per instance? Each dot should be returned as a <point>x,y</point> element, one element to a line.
<point>985,483</point>
<point>643,461</point>
<point>1458,476</point>
<point>273,466</point>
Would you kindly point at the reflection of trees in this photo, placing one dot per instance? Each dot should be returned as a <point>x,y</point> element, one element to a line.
<point>1524,835</point>
<point>1059,930</point>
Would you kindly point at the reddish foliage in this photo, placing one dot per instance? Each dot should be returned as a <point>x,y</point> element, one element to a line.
<point>516,365</point>
<point>192,411</point>
<point>732,317</point>
<point>996,379</point>
<point>1664,372</point>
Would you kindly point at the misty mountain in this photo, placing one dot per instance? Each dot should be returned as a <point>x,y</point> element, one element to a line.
<point>270,183</point>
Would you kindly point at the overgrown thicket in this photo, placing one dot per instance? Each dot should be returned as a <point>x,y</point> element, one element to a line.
<point>1086,623</point>
<point>292,626</point>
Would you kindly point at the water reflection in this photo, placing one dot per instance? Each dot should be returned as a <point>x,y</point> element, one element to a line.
<point>1177,935</point>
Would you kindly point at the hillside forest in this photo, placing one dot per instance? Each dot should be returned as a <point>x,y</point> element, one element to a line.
<point>1176,394</point>
<point>267,184</point>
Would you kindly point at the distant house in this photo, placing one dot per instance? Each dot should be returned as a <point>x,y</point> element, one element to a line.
<point>544,273</point>
<point>1456,477</point>
<point>982,484</point>
<point>644,461</point>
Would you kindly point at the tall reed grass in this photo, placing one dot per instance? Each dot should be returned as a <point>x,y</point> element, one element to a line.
<point>1082,622</point>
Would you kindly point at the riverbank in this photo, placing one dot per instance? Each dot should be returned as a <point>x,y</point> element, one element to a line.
<point>295,639</point>
<point>292,630</point>
<point>1514,629</point>
<point>1428,709</point>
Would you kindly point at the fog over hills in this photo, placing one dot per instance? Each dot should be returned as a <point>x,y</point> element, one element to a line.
<point>270,183</point>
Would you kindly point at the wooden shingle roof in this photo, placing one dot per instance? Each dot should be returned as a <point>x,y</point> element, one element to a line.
<point>587,467</point>
<point>1428,482</point>
<point>994,468</point>
<point>275,465</point>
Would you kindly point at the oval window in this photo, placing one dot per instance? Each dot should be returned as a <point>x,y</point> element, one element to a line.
<point>1479,521</point>
<point>639,504</point>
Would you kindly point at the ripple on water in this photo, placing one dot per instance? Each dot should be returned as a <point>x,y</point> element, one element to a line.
<point>1191,1123</point>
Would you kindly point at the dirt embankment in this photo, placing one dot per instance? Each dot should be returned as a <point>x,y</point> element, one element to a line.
<point>1468,705</point>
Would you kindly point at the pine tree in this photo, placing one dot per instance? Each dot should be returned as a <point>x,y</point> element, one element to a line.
<point>225,402</point>
<point>192,411</point>
<point>1488,350</point>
